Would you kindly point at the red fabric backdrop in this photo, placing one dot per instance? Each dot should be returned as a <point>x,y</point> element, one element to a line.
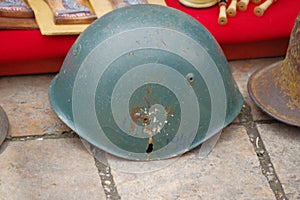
<point>277,21</point>
<point>19,46</point>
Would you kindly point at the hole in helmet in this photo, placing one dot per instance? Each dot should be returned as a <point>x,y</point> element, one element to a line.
<point>146,119</point>
<point>150,148</point>
<point>150,145</point>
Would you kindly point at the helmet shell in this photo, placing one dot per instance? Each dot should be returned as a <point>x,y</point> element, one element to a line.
<point>276,88</point>
<point>4,124</point>
<point>145,82</point>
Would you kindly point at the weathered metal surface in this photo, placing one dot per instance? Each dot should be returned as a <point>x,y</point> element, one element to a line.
<point>276,89</point>
<point>289,80</point>
<point>266,92</point>
<point>145,82</point>
<point>3,125</point>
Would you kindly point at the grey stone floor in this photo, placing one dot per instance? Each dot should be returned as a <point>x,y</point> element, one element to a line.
<point>256,156</point>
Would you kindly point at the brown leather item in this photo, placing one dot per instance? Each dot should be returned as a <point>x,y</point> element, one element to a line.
<point>71,11</point>
<point>15,9</point>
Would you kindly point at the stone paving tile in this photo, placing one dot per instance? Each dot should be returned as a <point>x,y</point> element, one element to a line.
<point>48,169</point>
<point>230,171</point>
<point>25,101</point>
<point>242,70</point>
<point>283,145</point>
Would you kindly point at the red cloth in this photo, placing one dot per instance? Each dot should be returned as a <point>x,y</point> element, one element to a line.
<point>20,45</point>
<point>277,21</point>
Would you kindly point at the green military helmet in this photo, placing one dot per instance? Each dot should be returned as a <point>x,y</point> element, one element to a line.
<point>145,82</point>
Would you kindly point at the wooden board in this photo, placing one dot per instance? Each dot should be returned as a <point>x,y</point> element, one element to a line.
<point>17,23</point>
<point>16,15</point>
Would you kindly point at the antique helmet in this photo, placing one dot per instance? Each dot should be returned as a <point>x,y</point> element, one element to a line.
<point>145,82</point>
<point>276,88</point>
<point>3,125</point>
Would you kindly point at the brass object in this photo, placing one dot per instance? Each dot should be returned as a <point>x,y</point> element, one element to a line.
<point>276,88</point>
<point>198,3</point>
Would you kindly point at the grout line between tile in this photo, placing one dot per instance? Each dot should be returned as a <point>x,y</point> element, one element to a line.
<point>266,164</point>
<point>65,134</point>
<point>104,171</point>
